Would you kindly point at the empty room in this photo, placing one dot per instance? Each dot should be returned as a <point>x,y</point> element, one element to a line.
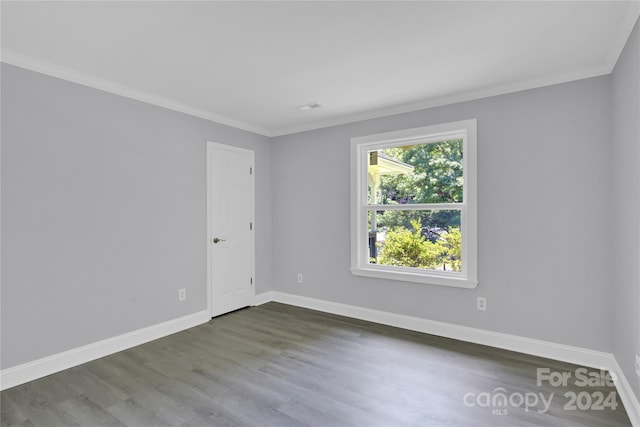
<point>320,213</point>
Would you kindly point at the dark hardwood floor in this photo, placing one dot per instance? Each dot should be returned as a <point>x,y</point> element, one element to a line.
<point>278,365</point>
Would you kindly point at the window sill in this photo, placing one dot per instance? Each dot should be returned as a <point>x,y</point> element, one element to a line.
<point>425,278</point>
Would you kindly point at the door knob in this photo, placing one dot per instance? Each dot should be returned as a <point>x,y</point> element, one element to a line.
<point>216,240</point>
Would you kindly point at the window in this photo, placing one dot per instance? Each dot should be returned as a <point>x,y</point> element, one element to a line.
<point>413,212</point>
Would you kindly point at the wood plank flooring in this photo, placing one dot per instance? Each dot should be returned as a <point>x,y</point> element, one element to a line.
<point>278,365</point>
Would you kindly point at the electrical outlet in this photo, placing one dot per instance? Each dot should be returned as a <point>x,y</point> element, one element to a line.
<point>638,365</point>
<point>300,278</point>
<point>182,294</point>
<point>481,304</point>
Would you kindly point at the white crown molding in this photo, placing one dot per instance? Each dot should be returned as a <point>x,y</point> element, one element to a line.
<point>625,29</point>
<point>39,66</point>
<point>33,64</point>
<point>30,371</point>
<point>450,99</point>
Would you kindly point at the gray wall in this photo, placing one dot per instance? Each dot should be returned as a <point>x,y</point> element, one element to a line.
<point>544,216</point>
<point>104,214</point>
<point>625,82</point>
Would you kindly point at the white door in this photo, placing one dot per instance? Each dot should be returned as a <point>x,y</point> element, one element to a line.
<point>230,198</point>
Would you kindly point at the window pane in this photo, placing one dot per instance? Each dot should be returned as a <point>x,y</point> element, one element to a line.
<point>422,173</point>
<point>427,239</point>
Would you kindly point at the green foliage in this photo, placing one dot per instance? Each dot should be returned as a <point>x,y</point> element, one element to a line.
<point>433,222</point>
<point>427,239</point>
<point>452,253</point>
<point>437,178</point>
<point>407,247</point>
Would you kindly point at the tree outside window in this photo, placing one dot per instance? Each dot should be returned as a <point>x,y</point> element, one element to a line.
<point>414,205</point>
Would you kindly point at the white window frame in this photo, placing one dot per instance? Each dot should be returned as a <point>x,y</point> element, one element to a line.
<point>360,146</point>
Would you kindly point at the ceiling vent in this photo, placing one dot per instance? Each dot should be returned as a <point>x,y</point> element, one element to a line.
<point>311,106</point>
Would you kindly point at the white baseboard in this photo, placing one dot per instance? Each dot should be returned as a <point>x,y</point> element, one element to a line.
<point>550,350</point>
<point>30,371</point>
<point>565,353</point>
<point>628,397</point>
<point>263,298</point>
<point>48,365</point>
<point>39,368</point>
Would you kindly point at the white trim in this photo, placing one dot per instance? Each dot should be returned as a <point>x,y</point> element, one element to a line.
<point>263,298</point>
<point>546,349</point>
<point>454,98</point>
<point>606,67</point>
<point>210,145</point>
<point>37,65</point>
<point>433,278</point>
<point>20,374</point>
<point>628,397</point>
<point>30,371</point>
<point>416,207</point>
<point>209,226</point>
<point>360,266</point>
<point>625,28</point>
<point>565,353</point>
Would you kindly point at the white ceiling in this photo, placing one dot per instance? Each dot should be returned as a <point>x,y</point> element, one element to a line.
<point>250,64</point>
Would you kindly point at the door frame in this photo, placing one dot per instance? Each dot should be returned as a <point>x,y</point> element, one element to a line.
<point>252,241</point>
